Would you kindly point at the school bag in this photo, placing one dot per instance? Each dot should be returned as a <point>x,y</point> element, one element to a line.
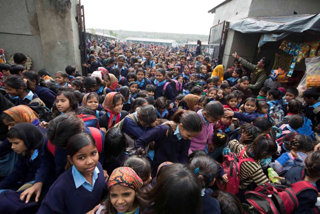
<point>175,85</point>
<point>40,108</point>
<point>89,120</point>
<point>231,165</point>
<point>276,199</point>
<point>95,133</point>
<point>275,112</point>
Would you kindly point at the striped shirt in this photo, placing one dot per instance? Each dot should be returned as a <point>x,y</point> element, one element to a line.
<point>249,171</point>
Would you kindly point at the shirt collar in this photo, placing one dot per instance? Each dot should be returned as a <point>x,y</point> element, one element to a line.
<point>29,96</point>
<point>79,180</point>
<point>204,119</point>
<point>34,154</point>
<point>177,133</point>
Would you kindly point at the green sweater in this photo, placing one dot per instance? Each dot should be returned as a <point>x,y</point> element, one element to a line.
<point>258,75</point>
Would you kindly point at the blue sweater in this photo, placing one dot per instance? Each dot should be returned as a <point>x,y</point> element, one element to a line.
<point>167,146</point>
<point>246,117</point>
<point>168,94</point>
<point>64,197</point>
<point>209,203</point>
<point>132,129</point>
<point>46,95</point>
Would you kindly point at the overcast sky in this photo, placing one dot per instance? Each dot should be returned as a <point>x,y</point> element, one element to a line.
<point>170,16</point>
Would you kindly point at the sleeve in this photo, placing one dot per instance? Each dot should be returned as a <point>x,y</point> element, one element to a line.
<point>220,171</point>
<point>47,165</point>
<point>244,117</point>
<point>54,201</point>
<point>247,64</point>
<point>183,155</point>
<point>254,171</point>
<point>259,82</point>
<point>130,128</point>
<point>235,146</point>
<point>154,134</point>
<point>169,93</point>
<point>13,178</point>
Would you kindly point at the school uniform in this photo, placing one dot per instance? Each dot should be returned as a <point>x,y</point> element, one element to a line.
<point>209,204</point>
<point>104,119</point>
<point>133,129</point>
<point>313,113</point>
<point>168,93</point>
<point>71,193</point>
<point>46,95</point>
<point>246,117</point>
<point>143,83</point>
<point>168,146</point>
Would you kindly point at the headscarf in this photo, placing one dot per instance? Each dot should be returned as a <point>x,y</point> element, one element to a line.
<point>31,135</point>
<point>218,71</point>
<point>108,106</point>
<point>191,100</point>
<point>22,114</point>
<point>97,74</point>
<point>113,82</point>
<point>125,176</point>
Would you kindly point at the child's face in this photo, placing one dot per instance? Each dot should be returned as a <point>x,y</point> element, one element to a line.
<point>226,120</point>
<point>227,90</point>
<point>213,94</point>
<point>186,70</point>
<point>262,94</point>
<point>120,63</point>
<point>140,75</point>
<point>93,103</point>
<point>12,91</point>
<point>182,61</point>
<point>220,94</point>
<point>289,96</point>
<point>60,79</point>
<point>62,103</point>
<point>85,160</point>
<point>122,198</point>
<point>74,87</point>
<point>150,93</point>
<point>264,109</point>
<point>250,107</point>
<point>180,80</point>
<point>235,74</point>
<point>269,96</point>
<point>210,84</point>
<point>245,85</point>
<point>159,76</point>
<point>118,107</point>
<point>192,78</point>
<point>133,88</point>
<point>204,70</point>
<point>17,145</point>
<point>192,70</point>
<point>233,102</point>
<point>6,72</point>
<point>187,135</point>
<point>176,71</point>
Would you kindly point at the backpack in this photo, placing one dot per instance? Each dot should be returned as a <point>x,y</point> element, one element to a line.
<point>275,113</point>
<point>175,85</point>
<point>231,165</point>
<point>89,120</point>
<point>95,133</point>
<point>43,112</point>
<point>276,199</point>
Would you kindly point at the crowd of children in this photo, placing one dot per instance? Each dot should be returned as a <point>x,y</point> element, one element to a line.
<point>158,130</point>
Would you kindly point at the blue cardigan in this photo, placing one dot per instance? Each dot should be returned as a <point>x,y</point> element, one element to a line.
<point>167,146</point>
<point>168,94</point>
<point>63,197</point>
<point>46,95</point>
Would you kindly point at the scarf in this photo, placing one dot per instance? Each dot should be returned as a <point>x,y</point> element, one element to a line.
<point>191,100</point>
<point>162,114</point>
<point>113,82</point>
<point>140,84</point>
<point>125,176</point>
<point>159,84</point>
<point>108,106</point>
<point>22,113</point>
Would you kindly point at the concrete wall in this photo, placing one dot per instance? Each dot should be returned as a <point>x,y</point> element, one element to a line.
<point>234,10</point>
<point>244,44</point>
<point>34,27</point>
<point>283,7</point>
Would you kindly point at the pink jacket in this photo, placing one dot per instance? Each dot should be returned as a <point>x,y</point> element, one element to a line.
<point>205,137</point>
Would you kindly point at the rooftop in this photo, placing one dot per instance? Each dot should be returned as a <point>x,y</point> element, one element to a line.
<point>213,10</point>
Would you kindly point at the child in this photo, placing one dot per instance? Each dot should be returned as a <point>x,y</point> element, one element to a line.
<point>220,96</point>
<point>62,79</point>
<point>124,185</point>
<point>130,78</point>
<point>92,84</point>
<point>212,82</point>
<point>226,87</point>
<point>133,87</point>
<point>91,100</point>
<point>312,107</point>
<point>141,166</point>
<point>243,86</point>
<point>205,169</point>
<point>71,71</point>
<point>235,77</point>
<point>232,102</point>
<point>26,140</point>
<point>291,94</point>
<point>66,101</point>
<point>125,92</point>
<point>262,96</point>
<point>275,111</point>
<point>172,145</point>
<point>249,113</point>
<point>82,186</point>
<point>111,83</point>
<point>112,104</point>
<point>19,114</point>
<point>212,93</point>
<point>211,113</point>
<point>150,90</point>
<point>160,82</point>
<point>77,84</point>
<point>5,71</point>
<point>263,109</point>
<point>203,72</point>
<point>141,80</point>
<point>297,152</point>
<point>161,108</point>
<point>17,91</point>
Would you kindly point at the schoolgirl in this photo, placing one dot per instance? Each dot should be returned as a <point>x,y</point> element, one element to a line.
<point>65,102</point>
<point>231,102</point>
<point>62,79</point>
<point>91,101</point>
<point>141,79</point>
<point>162,108</point>
<point>249,113</point>
<point>160,82</point>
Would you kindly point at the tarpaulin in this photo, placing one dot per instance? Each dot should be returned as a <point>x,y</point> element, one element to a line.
<point>279,24</point>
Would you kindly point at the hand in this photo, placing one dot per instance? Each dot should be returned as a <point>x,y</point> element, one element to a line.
<point>35,189</point>
<point>141,151</point>
<point>225,178</point>
<point>228,113</point>
<point>44,124</point>
<point>94,210</point>
<point>317,147</point>
<point>105,173</point>
<point>235,55</point>
<point>171,124</point>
